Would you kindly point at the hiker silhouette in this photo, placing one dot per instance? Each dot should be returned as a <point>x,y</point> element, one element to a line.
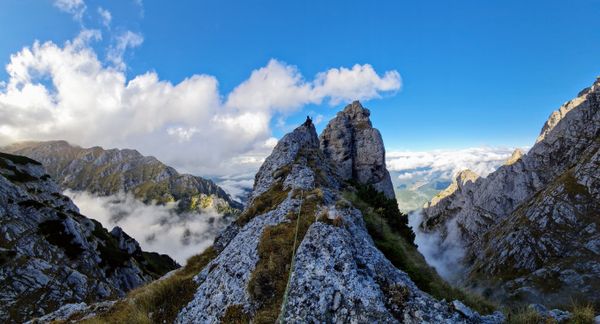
<point>308,121</point>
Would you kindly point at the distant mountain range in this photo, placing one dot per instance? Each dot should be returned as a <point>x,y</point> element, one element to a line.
<point>108,172</point>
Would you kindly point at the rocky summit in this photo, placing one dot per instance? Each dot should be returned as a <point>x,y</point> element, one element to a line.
<point>356,148</point>
<point>51,255</point>
<point>107,172</point>
<point>304,249</point>
<point>531,229</point>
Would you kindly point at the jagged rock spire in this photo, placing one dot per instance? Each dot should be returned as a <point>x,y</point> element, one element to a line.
<point>356,148</point>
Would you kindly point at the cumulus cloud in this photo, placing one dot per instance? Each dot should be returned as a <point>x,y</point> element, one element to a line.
<point>105,16</point>
<point>156,228</point>
<point>76,8</point>
<point>360,81</point>
<point>67,92</point>
<point>282,88</point>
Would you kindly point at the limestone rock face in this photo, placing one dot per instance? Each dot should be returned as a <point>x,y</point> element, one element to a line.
<point>356,148</point>
<point>108,172</point>
<point>337,274</point>
<point>51,255</point>
<point>534,221</point>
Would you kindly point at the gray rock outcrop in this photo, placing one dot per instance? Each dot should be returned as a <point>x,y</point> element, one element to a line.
<point>337,273</point>
<point>51,255</point>
<point>534,222</point>
<point>356,148</point>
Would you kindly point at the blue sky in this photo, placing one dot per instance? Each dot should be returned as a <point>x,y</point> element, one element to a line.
<point>474,73</point>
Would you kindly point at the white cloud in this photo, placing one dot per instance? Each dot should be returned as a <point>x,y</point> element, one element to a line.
<point>76,8</point>
<point>360,82</point>
<point>318,119</point>
<point>124,41</point>
<point>445,164</point>
<point>156,228</point>
<point>105,16</point>
<point>282,88</point>
<point>447,261</point>
<point>67,92</point>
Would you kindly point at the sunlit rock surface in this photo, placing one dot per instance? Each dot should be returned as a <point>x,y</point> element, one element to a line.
<point>356,148</point>
<point>534,222</point>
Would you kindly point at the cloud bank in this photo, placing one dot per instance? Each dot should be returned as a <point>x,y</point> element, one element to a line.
<point>156,228</point>
<point>445,164</point>
<point>67,92</point>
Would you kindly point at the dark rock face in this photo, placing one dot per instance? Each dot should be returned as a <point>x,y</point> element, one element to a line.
<point>534,222</point>
<point>356,148</point>
<point>107,172</point>
<point>51,255</point>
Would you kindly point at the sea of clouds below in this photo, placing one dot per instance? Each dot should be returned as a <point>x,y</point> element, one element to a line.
<point>156,227</point>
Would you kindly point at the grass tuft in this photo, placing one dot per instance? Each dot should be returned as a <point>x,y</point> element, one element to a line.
<point>526,315</point>
<point>159,301</point>
<point>267,201</point>
<point>582,314</point>
<point>269,278</point>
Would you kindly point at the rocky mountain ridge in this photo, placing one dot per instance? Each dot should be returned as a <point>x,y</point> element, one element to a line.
<point>51,255</point>
<point>300,252</point>
<point>530,229</point>
<point>108,172</point>
<point>338,273</point>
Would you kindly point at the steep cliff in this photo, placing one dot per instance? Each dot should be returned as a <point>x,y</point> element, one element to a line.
<point>356,148</point>
<point>51,255</point>
<point>106,172</point>
<point>530,228</point>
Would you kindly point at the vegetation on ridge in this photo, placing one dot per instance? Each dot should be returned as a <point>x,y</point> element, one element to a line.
<point>269,279</point>
<point>159,301</point>
<point>392,239</point>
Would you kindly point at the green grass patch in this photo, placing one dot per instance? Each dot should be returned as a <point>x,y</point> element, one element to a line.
<point>527,315</point>
<point>572,187</point>
<point>582,314</point>
<point>387,210</point>
<point>269,278</point>
<point>159,301</point>
<point>266,202</point>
